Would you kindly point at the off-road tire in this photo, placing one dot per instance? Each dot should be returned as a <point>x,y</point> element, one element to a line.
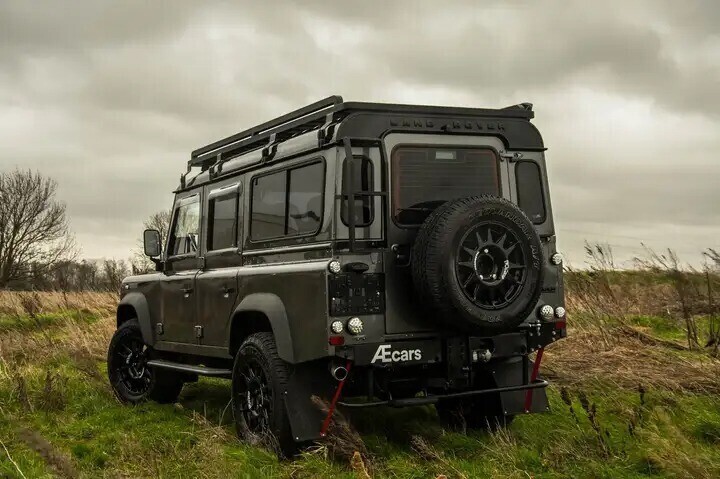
<point>434,258</point>
<point>154,384</point>
<point>468,414</point>
<point>259,350</point>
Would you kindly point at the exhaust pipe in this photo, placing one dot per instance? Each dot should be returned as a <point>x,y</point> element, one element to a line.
<point>340,373</point>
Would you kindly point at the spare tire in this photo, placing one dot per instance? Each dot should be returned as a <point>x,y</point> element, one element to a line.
<point>477,264</point>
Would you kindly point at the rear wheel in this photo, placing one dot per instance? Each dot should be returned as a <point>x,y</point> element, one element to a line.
<point>130,377</point>
<point>258,385</point>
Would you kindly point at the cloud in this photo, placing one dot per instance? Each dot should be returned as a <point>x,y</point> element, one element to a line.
<point>110,98</point>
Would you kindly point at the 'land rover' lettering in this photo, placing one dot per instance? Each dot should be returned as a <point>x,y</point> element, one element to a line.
<point>385,354</point>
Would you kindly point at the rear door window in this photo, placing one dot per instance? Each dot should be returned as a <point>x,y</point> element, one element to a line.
<point>426,177</point>
<point>222,224</point>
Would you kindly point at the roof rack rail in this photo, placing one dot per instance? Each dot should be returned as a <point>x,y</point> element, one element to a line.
<point>301,118</point>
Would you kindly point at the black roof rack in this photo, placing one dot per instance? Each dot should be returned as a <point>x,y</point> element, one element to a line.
<point>321,113</point>
<point>303,118</point>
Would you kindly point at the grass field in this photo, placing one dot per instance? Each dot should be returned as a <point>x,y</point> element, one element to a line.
<point>623,405</point>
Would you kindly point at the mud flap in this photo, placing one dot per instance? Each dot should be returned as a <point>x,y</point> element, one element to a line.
<point>510,373</point>
<point>305,381</point>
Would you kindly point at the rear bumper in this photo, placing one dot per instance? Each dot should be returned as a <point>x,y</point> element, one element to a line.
<point>434,398</point>
<point>455,350</point>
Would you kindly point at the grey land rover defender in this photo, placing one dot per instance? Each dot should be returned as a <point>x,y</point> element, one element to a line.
<point>365,254</point>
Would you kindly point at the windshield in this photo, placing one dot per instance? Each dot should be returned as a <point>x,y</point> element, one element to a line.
<point>426,177</point>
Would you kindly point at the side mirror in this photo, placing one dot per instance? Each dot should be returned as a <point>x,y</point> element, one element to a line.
<point>151,243</point>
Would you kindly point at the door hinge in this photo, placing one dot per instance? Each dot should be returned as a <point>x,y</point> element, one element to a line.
<point>159,329</point>
<point>514,156</point>
<point>198,332</point>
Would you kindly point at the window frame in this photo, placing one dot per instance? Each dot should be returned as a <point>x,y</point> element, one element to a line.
<point>542,189</point>
<point>179,203</point>
<point>234,189</point>
<point>286,168</point>
<point>392,179</point>
<point>370,199</point>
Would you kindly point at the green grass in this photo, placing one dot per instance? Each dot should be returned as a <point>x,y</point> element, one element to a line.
<point>672,329</point>
<point>596,431</point>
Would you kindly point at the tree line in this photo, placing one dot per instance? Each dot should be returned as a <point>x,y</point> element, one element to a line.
<point>37,248</point>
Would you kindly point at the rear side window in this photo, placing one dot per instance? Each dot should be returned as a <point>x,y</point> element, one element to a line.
<point>287,203</point>
<point>426,177</point>
<point>186,227</point>
<point>530,191</point>
<point>222,224</point>
<point>363,181</point>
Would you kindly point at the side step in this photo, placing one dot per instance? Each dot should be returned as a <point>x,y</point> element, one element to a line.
<point>190,368</point>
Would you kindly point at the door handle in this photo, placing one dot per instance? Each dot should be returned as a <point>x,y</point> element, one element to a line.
<point>226,291</point>
<point>187,291</point>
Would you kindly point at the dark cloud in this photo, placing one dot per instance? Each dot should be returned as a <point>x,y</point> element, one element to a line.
<point>110,98</point>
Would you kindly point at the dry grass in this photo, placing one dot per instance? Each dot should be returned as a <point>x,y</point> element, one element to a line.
<point>18,303</point>
<point>629,361</point>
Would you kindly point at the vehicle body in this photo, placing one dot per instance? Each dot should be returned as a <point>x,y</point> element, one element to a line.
<point>293,228</point>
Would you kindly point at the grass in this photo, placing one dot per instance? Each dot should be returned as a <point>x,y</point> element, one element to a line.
<point>58,417</point>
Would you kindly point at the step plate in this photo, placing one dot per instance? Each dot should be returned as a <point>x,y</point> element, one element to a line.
<point>190,368</point>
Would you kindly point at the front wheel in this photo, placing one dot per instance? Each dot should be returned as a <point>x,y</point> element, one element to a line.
<point>258,385</point>
<point>130,377</point>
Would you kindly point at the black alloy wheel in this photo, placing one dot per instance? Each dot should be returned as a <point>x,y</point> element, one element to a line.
<point>254,396</point>
<point>258,382</point>
<point>490,266</point>
<point>131,379</point>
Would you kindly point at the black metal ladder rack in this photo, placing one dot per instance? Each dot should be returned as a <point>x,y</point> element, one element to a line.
<point>307,118</point>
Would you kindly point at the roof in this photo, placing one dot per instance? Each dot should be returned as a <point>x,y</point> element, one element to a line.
<point>326,114</point>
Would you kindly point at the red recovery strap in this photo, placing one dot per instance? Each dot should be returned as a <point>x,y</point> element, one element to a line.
<point>533,377</point>
<point>331,409</point>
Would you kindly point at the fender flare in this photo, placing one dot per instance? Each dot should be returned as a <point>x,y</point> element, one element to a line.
<point>137,302</point>
<point>273,308</point>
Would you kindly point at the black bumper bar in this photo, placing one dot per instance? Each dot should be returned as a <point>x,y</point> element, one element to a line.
<point>419,401</point>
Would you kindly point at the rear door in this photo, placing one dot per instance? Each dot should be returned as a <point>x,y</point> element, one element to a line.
<point>217,282</point>
<point>425,171</point>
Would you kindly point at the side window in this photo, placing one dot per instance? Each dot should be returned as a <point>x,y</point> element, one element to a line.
<point>530,191</point>
<point>186,227</point>
<point>222,221</point>
<point>287,202</point>
<point>363,181</point>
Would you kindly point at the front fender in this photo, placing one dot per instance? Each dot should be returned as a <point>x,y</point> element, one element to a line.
<point>273,308</point>
<point>135,304</point>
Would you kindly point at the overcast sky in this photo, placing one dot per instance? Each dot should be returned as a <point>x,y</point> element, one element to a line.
<point>109,98</point>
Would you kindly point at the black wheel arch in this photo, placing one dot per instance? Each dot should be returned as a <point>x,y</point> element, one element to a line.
<point>134,306</point>
<point>262,312</point>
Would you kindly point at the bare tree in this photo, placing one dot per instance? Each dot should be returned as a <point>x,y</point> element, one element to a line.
<point>158,221</point>
<point>34,234</point>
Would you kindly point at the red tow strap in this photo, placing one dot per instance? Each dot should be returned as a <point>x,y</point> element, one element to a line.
<point>331,409</point>
<point>533,377</point>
